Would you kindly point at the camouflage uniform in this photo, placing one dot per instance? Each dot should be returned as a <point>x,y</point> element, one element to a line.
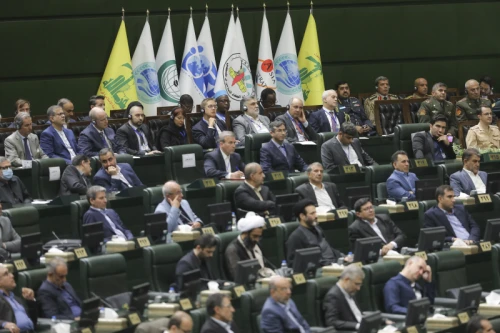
<point>370,104</point>
<point>466,108</point>
<point>432,107</point>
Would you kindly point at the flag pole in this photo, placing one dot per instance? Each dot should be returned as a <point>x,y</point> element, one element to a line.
<point>147,15</point>
<point>206,10</point>
<point>288,7</point>
<point>168,12</point>
<point>311,7</point>
<point>123,14</point>
<point>190,11</point>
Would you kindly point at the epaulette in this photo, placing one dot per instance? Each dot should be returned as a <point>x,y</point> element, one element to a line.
<point>395,96</point>
<point>462,100</point>
<point>427,101</point>
<point>374,96</point>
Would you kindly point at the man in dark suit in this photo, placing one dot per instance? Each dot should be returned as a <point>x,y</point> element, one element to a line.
<point>220,310</point>
<point>369,225</point>
<point>279,155</point>
<point>97,135</point>
<point>434,144</point>
<point>112,224</point>
<point>401,183</point>
<point>455,218</point>
<point>76,177</point>
<point>112,176</point>
<point>56,141</point>
<point>134,137</point>
<point>12,189</point>
<point>16,314</point>
<point>404,287</point>
<point>9,239</point>
<point>267,100</point>
<point>56,296</point>
<point>322,194</point>
<point>469,178</point>
<point>297,127</point>
<point>328,118</point>
<point>252,195</point>
<point>204,248</point>
<point>206,131</point>
<point>280,314</point>
<point>341,310</point>
<point>344,149</point>
<point>223,162</point>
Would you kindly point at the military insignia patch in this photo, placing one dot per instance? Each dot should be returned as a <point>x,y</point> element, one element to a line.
<point>458,112</point>
<point>421,112</point>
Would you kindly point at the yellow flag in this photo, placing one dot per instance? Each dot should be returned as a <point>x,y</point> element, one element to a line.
<point>311,71</point>
<point>117,84</point>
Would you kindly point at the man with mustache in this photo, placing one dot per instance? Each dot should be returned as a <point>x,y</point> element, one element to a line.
<point>420,89</point>
<point>382,86</point>
<point>114,176</point>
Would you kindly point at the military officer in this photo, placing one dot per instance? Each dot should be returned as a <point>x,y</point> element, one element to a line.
<point>483,135</point>
<point>353,110</point>
<point>420,89</point>
<point>438,104</point>
<point>382,87</point>
<point>467,108</point>
<point>486,86</point>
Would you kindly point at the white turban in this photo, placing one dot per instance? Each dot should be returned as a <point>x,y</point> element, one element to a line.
<point>251,221</point>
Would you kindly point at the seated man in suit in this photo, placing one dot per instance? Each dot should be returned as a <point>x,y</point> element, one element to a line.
<point>344,149</point>
<point>369,225</point>
<point>206,131</point>
<point>297,127</point>
<point>76,177</point>
<point>23,144</point>
<point>483,135</point>
<point>112,224</point>
<point>16,314</point>
<point>455,218</point>
<point>309,234</point>
<point>220,310</point>
<point>56,296</point>
<point>279,155</point>
<point>56,141</point>
<point>469,178</point>
<point>114,176</point>
<point>434,144</point>
<point>204,248</point>
<point>250,121</point>
<point>328,118</point>
<point>96,101</point>
<point>401,183</point>
<point>246,246</point>
<point>252,195</point>
<point>280,314</point>
<point>97,135</point>
<point>223,104</point>
<point>134,137</point>
<point>68,108</point>
<point>341,309</point>
<point>9,239</point>
<point>322,194</point>
<point>12,189</point>
<point>177,209</point>
<point>267,100</point>
<point>405,286</point>
<point>223,162</point>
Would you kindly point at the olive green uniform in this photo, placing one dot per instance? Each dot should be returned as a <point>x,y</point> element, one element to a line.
<point>467,108</point>
<point>370,104</point>
<point>432,107</point>
<point>416,96</point>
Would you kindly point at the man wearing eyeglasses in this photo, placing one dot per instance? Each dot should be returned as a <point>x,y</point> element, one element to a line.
<point>483,135</point>
<point>12,189</point>
<point>206,131</point>
<point>220,310</point>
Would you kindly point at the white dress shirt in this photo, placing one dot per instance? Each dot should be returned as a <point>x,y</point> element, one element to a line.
<point>478,182</point>
<point>375,228</point>
<point>256,190</point>
<point>322,196</point>
<point>351,154</point>
<point>66,143</point>
<point>329,117</point>
<point>227,162</point>
<point>143,147</point>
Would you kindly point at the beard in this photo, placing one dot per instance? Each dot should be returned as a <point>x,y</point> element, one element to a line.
<point>249,244</point>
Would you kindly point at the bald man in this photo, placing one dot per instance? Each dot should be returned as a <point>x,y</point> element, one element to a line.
<point>420,89</point>
<point>97,135</point>
<point>468,107</point>
<point>297,127</point>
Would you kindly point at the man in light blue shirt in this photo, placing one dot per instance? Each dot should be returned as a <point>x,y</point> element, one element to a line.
<point>401,183</point>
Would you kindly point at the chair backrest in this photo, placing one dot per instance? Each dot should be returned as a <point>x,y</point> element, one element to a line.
<point>104,275</point>
<point>253,144</point>
<point>31,279</point>
<point>377,174</point>
<point>220,257</point>
<point>199,316</point>
<point>387,117</point>
<point>447,169</point>
<point>159,264</point>
<point>151,197</point>
<point>224,192</point>
<point>25,220</point>
<point>495,262</point>
<point>43,187</point>
<point>77,210</point>
<point>177,156</point>
<point>448,270</point>
<point>252,303</point>
<point>95,163</point>
<point>403,135</point>
<point>284,230</point>
<point>316,291</point>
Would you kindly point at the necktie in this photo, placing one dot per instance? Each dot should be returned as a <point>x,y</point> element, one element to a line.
<point>298,126</point>
<point>27,153</point>
<point>283,150</point>
<point>183,216</point>
<point>103,139</point>
<point>141,137</point>
<point>334,123</point>
<point>115,228</point>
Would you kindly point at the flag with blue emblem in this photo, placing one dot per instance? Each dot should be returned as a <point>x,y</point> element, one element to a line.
<point>207,57</point>
<point>265,76</point>
<point>167,68</point>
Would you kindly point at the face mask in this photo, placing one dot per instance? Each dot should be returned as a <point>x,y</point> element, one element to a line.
<point>7,174</point>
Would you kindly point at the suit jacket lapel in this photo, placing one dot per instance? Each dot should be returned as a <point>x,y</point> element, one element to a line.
<point>340,151</point>
<point>133,136</point>
<point>357,149</point>
<point>278,153</point>
<point>220,161</point>
<point>311,193</point>
<point>367,228</point>
<point>329,190</point>
<point>57,137</point>
<point>430,142</point>
<point>406,186</point>
<point>468,180</point>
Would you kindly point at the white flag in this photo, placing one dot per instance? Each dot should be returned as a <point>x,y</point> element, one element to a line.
<point>167,68</point>
<point>145,75</point>
<point>265,76</point>
<point>207,58</point>
<point>286,66</point>
<point>220,83</point>
<point>191,78</point>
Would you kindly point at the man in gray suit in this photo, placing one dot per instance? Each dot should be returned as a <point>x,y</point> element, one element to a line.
<point>250,121</point>
<point>469,178</point>
<point>10,241</point>
<point>297,127</point>
<point>22,144</point>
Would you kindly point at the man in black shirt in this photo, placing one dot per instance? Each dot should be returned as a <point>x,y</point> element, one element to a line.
<point>12,189</point>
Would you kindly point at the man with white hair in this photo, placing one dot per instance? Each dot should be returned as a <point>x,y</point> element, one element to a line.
<point>468,107</point>
<point>297,127</point>
<point>246,245</point>
<point>97,135</point>
<point>250,121</point>
<point>178,210</point>
<point>224,162</point>
<point>328,118</point>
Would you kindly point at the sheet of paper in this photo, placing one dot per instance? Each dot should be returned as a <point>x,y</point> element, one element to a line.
<point>54,173</point>
<point>27,164</point>
<point>40,202</point>
<point>306,143</point>
<point>188,160</point>
<point>493,298</point>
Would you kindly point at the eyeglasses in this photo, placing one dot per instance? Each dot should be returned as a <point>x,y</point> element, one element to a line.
<point>211,106</point>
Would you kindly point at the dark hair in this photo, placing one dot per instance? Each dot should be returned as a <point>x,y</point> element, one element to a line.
<point>488,80</point>
<point>479,111</point>
<point>104,151</point>
<point>176,111</point>
<point>360,203</point>
<point>339,83</point>
<point>275,124</point>
<point>206,241</point>
<point>439,117</point>
<point>186,99</point>
<point>266,92</point>
<point>349,129</point>
<point>78,159</point>
<point>474,324</point>
<point>213,301</point>
<point>442,189</point>
<point>469,152</point>
<point>300,207</point>
<point>394,156</point>
<point>131,105</point>
<point>93,99</point>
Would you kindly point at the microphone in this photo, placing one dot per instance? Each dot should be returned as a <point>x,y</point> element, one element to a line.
<point>106,303</point>
<point>61,241</point>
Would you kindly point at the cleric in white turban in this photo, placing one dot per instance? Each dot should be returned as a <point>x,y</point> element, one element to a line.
<point>245,246</point>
